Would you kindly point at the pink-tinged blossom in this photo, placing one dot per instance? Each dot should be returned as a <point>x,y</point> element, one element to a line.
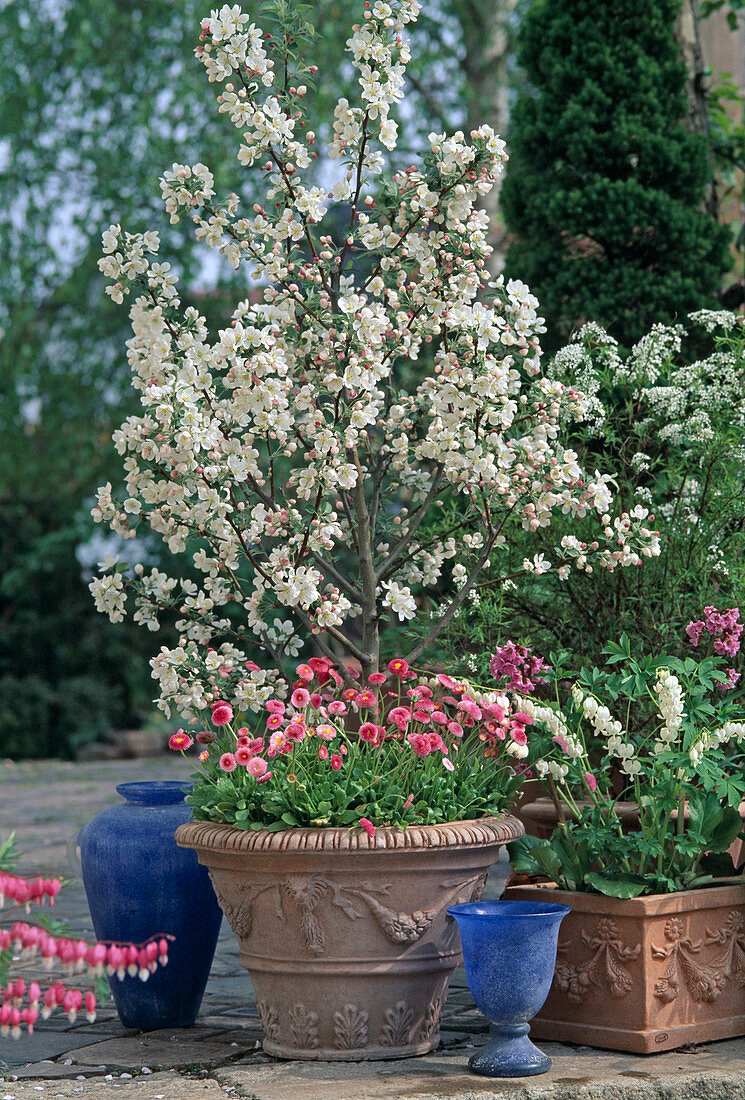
<point>399,667</point>
<point>180,741</point>
<point>518,734</point>
<point>228,762</point>
<point>305,672</point>
<point>222,714</point>
<point>455,728</point>
<point>336,762</point>
<point>439,718</point>
<point>323,752</point>
<point>204,756</point>
<point>264,778</point>
<point>408,801</point>
<point>365,699</point>
<point>337,708</point>
<point>561,742</point>
<point>448,764</point>
<point>257,766</point>
<point>326,731</point>
<point>471,708</point>
<point>274,721</point>
<point>591,781</point>
<point>368,826</point>
<point>243,755</point>
<point>275,706</point>
<point>316,700</point>
<point>300,698</point>
<point>321,666</point>
<point>421,716</point>
<point>205,737</point>
<point>377,678</point>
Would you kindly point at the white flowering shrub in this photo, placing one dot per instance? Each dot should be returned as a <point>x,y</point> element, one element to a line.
<point>298,454</point>
<point>668,419</point>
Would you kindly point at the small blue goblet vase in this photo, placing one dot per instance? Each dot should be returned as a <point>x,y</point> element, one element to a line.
<point>509,952</point>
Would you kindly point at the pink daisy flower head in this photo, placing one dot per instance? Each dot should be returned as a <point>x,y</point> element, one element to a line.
<point>455,728</point>
<point>335,762</point>
<point>377,678</point>
<point>323,752</point>
<point>228,762</point>
<point>180,741</point>
<point>365,699</point>
<point>447,763</point>
<point>243,754</point>
<point>368,826</point>
<point>205,737</point>
<point>398,666</point>
<point>274,721</point>
<point>326,731</point>
<point>400,716</point>
<point>222,714</point>
<point>420,744</point>
<point>295,731</point>
<point>321,667</point>
<point>370,732</point>
<point>300,698</point>
<point>257,766</point>
<point>275,706</point>
<point>448,682</point>
<point>305,672</point>
<point>204,756</point>
<point>337,708</point>
<point>591,781</point>
<point>264,778</point>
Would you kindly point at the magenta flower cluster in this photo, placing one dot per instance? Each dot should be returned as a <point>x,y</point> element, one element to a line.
<point>519,665</point>
<point>725,629</point>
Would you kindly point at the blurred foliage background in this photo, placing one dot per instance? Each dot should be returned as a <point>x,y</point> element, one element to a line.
<point>98,98</point>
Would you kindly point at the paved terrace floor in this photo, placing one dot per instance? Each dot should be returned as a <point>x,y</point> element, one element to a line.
<point>46,802</point>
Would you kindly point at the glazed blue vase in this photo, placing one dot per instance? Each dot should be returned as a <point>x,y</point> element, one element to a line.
<point>509,952</point>
<point>140,884</point>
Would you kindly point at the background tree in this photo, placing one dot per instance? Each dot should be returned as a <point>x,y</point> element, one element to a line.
<point>606,184</point>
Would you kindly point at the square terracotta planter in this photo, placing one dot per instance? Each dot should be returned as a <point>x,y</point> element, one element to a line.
<point>646,974</point>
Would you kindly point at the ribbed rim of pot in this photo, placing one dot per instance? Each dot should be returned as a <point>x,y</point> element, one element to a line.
<point>487,830</point>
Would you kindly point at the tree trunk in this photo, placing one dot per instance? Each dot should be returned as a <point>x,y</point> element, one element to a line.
<point>488,32</point>
<point>688,37</point>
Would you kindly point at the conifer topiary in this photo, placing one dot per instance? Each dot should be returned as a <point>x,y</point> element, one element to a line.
<point>605,187</point>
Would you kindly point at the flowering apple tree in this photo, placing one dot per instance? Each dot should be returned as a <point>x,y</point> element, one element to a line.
<point>299,453</point>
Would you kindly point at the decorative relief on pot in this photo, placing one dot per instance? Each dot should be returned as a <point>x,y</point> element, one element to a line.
<point>731,961</point>
<point>269,1020</point>
<point>303,1027</point>
<point>430,1028</point>
<point>603,971</point>
<point>703,982</point>
<point>350,1028</point>
<point>397,1027</point>
<point>306,891</point>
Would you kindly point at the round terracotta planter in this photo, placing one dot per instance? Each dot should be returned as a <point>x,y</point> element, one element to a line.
<point>346,936</point>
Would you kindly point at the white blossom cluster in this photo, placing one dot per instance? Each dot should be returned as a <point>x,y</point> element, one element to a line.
<point>555,722</point>
<point>617,742</point>
<point>671,704</point>
<point>285,446</point>
<point>713,739</point>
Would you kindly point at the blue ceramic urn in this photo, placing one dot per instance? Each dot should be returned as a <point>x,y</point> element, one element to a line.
<point>509,952</point>
<point>140,884</point>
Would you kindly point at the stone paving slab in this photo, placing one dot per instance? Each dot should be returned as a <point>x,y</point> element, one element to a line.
<point>712,1072</point>
<point>158,1086</point>
<point>197,1047</point>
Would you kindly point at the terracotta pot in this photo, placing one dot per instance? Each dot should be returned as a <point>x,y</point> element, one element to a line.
<point>646,974</point>
<point>345,936</point>
<point>540,818</point>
